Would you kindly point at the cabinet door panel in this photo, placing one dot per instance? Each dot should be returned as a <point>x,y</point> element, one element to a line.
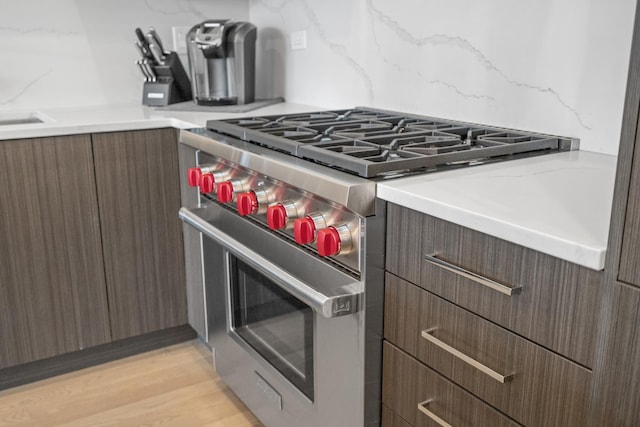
<point>406,384</point>
<point>544,389</point>
<point>620,405</point>
<point>630,252</point>
<point>556,303</point>
<point>391,419</point>
<point>52,288</point>
<point>139,198</point>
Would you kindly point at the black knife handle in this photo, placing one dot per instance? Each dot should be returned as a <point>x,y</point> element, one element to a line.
<point>140,36</point>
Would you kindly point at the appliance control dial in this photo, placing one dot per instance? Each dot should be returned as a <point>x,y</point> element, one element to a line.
<point>277,216</point>
<point>304,229</point>
<point>254,201</point>
<point>228,189</point>
<point>207,183</point>
<point>208,180</point>
<point>334,240</point>
<point>195,174</point>
<point>280,214</point>
<point>225,192</point>
<point>247,203</point>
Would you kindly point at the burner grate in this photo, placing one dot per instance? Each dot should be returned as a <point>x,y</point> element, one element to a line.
<point>370,142</point>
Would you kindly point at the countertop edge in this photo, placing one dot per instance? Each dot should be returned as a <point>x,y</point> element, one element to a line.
<point>53,129</point>
<point>592,257</point>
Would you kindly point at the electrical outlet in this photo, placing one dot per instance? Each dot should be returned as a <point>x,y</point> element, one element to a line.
<point>298,40</point>
<point>180,39</point>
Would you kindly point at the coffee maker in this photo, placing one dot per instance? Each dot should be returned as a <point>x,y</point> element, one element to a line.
<point>222,59</point>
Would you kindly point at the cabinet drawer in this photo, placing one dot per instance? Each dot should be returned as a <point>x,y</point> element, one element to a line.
<point>555,305</point>
<point>419,395</point>
<point>391,419</point>
<point>525,381</point>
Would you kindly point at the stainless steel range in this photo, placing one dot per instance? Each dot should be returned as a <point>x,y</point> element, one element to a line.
<point>286,235</point>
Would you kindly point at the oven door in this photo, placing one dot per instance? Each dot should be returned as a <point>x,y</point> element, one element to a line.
<point>285,326</point>
<point>271,322</point>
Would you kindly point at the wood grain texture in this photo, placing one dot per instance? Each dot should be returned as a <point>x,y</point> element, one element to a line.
<point>547,390</point>
<point>406,382</point>
<point>626,222</point>
<point>556,308</point>
<point>391,419</point>
<point>174,386</point>
<point>52,286</point>
<point>630,250</point>
<point>404,255</point>
<point>139,198</point>
<point>620,392</point>
<point>624,236</point>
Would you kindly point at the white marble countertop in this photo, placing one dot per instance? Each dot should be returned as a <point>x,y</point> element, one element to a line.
<point>67,121</point>
<point>559,204</point>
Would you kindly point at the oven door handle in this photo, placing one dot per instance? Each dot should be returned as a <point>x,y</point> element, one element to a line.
<point>341,304</point>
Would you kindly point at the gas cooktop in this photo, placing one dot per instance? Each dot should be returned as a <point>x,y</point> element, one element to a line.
<point>371,143</point>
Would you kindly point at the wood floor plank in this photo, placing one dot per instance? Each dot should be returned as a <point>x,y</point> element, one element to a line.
<point>174,386</point>
<point>193,405</point>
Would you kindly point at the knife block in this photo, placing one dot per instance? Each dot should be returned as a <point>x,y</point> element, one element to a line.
<point>172,84</point>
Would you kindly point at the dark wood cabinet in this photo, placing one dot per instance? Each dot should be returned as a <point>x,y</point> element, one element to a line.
<point>616,386</point>
<point>555,303</point>
<point>623,254</point>
<point>139,197</point>
<point>391,419</point>
<point>617,395</point>
<point>630,251</point>
<point>52,288</point>
<point>421,397</point>
<point>512,327</point>
<point>530,384</point>
<point>91,245</point>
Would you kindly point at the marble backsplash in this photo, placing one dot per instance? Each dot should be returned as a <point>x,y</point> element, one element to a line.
<point>59,53</point>
<point>551,66</point>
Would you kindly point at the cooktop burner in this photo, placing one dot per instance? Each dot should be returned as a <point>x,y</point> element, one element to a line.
<point>370,142</point>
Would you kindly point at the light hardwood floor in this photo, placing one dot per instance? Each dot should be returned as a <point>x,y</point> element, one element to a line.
<point>173,386</point>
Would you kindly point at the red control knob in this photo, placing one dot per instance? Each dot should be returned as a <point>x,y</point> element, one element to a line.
<point>206,183</point>
<point>247,203</point>
<point>194,174</point>
<point>304,230</point>
<point>328,241</point>
<point>225,192</point>
<point>276,216</point>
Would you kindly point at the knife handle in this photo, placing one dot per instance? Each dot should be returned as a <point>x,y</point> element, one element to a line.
<point>157,54</point>
<point>150,71</point>
<point>140,36</point>
<point>143,50</point>
<point>143,70</point>
<point>154,38</point>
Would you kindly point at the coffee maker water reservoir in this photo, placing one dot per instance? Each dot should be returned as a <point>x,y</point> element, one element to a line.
<point>222,59</point>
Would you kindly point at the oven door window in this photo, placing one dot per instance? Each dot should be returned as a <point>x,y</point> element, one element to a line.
<point>275,324</point>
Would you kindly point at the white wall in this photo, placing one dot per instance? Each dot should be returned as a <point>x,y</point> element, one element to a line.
<point>57,53</point>
<point>552,66</point>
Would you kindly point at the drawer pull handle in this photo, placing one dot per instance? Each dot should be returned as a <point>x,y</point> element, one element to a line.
<point>422,407</point>
<point>496,286</point>
<point>428,335</point>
